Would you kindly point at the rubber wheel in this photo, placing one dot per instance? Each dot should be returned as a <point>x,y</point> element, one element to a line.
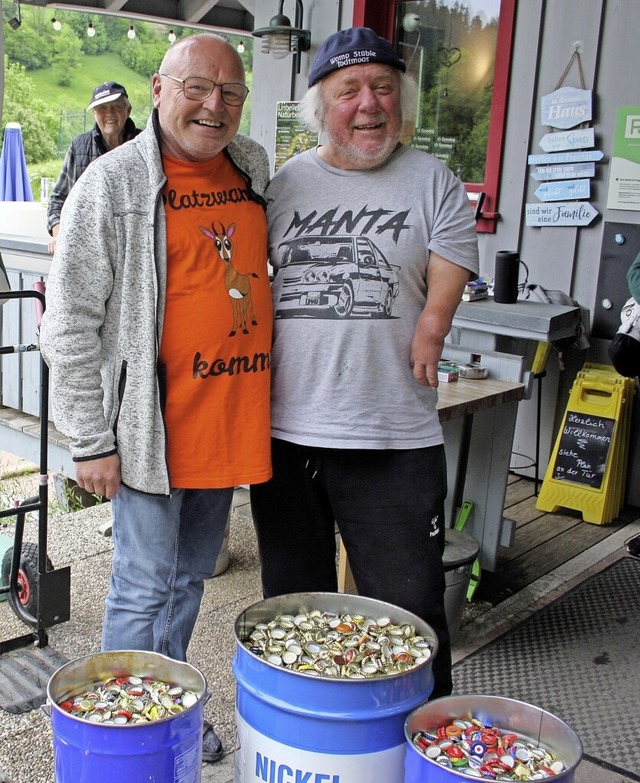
<point>27,576</point>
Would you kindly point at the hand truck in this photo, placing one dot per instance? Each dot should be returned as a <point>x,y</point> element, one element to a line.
<point>39,594</point>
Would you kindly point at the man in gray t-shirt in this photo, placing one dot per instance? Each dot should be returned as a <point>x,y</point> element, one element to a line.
<point>372,243</point>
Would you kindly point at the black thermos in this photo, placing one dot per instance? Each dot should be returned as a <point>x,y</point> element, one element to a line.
<point>505,281</point>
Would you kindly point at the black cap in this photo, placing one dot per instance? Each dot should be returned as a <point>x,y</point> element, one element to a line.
<point>107,92</point>
<point>354,46</point>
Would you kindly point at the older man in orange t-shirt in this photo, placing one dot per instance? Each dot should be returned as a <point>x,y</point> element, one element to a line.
<point>158,333</point>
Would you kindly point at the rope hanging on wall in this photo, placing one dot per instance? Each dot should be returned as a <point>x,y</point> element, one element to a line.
<point>574,56</point>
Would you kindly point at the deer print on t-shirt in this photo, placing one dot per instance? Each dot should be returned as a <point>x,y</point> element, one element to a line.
<point>237,285</point>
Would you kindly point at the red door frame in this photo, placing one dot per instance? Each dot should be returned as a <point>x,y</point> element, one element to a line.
<point>380,16</point>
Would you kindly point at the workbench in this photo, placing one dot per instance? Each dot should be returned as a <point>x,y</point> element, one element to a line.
<point>484,327</point>
<point>484,321</point>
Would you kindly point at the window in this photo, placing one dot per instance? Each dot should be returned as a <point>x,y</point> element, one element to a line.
<point>459,52</point>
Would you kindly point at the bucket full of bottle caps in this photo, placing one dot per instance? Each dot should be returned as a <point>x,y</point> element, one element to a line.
<point>127,715</point>
<point>456,738</point>
<point>324,684</point>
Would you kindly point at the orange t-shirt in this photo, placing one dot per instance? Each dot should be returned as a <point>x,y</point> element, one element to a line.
<point>216,338</point>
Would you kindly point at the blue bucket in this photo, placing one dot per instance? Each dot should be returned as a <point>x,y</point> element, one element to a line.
<point>292,726</point>
<point>165,750</point>
<point>523,719</point>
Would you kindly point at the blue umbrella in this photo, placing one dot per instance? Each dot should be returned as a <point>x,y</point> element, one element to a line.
<point>14,179</point>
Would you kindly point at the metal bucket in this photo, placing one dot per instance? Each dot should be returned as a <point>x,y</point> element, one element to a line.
<point>460,551</point>
<point>292,726</point>
<point>165,750</point>
<point>530,722</point>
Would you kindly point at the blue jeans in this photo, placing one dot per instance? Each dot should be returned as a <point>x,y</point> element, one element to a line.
<point>389,508</point>
<point>164,549</point>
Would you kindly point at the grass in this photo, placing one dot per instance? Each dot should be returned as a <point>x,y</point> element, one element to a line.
<point>75,98</point>
<point>22,483</point>
<point>93,71</point>
<point>19,480</point>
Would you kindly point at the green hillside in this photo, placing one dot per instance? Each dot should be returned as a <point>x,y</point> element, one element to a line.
<point>95,69</point>
<point>73,101</point>
<point>70,103</point>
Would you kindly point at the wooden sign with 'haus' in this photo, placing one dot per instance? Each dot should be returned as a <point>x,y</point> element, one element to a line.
<point>566,107</point>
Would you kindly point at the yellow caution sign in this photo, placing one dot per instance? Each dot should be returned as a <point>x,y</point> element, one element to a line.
<point>587,469</point>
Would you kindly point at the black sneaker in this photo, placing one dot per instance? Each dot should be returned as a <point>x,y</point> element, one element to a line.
<point>211,745</point>
<point>633,546</point>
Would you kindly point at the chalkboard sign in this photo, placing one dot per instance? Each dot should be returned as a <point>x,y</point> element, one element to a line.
<point>583,449</point>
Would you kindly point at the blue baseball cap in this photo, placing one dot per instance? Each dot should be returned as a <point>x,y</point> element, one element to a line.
<point>354,46</point>
<point>105,93</point>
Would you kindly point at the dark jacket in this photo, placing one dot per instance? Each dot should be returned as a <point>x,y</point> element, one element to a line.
<point>84,149</point>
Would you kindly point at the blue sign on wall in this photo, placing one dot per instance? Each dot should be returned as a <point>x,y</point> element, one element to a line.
<point>568,140</point>
<point>565,213</point>
<point>562,190</point>
<point>566,157</point>
<point>564,171</point>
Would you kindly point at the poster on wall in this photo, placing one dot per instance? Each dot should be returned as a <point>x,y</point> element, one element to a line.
<point>624,171</point>
<point>292,135</point>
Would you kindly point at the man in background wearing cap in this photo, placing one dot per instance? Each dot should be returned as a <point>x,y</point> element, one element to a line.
<point>356,438</point>
<point>111,110</point>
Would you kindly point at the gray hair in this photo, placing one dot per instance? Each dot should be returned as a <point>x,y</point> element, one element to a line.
<point>312,110</point>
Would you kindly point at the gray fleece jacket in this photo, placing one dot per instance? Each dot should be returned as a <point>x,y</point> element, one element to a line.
<point>102,327</point>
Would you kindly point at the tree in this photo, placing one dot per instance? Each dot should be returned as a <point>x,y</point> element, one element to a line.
<point>145,58</point>
<point>36,45</point>
<point>67,51</point>
<point>25,46</point>
<point>37,121</point>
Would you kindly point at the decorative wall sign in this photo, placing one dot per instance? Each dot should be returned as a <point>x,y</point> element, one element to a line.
<point>560,213</point>
<point>564,171</point>
<point>557,191</point>
<point>567,140</point>
<point>567,176</point>
<point>566,107</point>
<point>566,157</point>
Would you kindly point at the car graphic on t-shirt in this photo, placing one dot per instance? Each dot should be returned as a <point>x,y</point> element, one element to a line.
<point>335,277</point>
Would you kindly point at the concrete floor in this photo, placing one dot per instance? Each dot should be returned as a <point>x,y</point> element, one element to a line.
<point>75,539</point>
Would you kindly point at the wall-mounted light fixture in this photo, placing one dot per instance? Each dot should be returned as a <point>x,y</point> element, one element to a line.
<point>280,38</point>
<point>240,47</point>
<point>91,30</point>
<point>16,21</point>
<point>171,36</point>
<point>56,24</point>
<point>131,33</point>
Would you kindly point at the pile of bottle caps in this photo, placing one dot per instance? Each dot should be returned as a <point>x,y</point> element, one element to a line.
<point>329,644</point>
<point>128,700</point>
<point>480,750</point>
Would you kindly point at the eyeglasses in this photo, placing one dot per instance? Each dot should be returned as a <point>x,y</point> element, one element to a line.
<point>197,89</point>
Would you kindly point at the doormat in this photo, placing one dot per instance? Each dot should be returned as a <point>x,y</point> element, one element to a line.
<point>24,676</point>
<point>577,658</point>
